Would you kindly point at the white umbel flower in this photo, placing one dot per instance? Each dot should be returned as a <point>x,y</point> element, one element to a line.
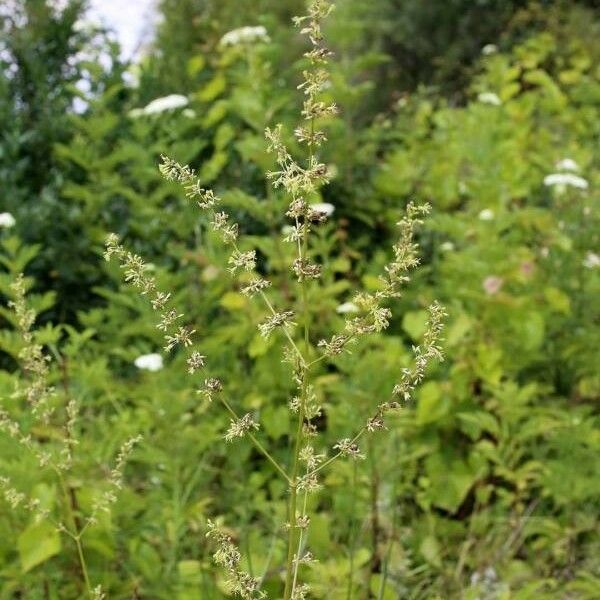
<point>323,207</point>
<point>245,35</point>
<point>7,220</point>
<point>489,49</point>
<point>563,180</point>
<point>487,214</point>
<point>591,260</point>
<point>567,164</point>
<point>170,102</point>
<point>489,98</point>
<point>346,308</point>
<point>149,362</point>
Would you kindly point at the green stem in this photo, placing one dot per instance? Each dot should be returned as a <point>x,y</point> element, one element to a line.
<point>75,533</point>
<point>293,497</point>
<point>256,443</point>
<point>352,528</point>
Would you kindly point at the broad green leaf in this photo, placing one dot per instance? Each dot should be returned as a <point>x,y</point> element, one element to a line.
<point>37,544</point>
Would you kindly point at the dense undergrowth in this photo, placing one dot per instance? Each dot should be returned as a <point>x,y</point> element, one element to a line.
<point>488,485</point>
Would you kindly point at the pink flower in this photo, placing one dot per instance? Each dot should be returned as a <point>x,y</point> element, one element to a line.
<point>492,284</point>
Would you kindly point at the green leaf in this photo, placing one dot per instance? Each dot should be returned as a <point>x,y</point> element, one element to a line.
<point>37,544</point>
<point>415,323</point>
<point>432,404</point>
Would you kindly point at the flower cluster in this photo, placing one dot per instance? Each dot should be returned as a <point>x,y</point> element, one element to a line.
<point>239,427</point>
<point>34,363</point>
<point>227,555</point>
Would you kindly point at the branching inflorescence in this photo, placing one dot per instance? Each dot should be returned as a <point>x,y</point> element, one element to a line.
<point>299,180</point>
<point>57,458</point>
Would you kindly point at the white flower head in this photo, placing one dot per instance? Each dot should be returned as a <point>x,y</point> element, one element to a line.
<point>489,98</point>
<point>591,260</point>
<point>323,207</point>
<point>245,35</point>
<point>487,214</point>
<point>347,308</point>
<point>567,164</point>
<point>562,180</point>
<point>149,362</point>
<point>7,220</point>
<point>170,102</point>
<point>190,113</point>
<point>489,49</point>
<point>447,247</point>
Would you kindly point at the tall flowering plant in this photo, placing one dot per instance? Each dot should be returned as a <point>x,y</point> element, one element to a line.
<point>299,179</point>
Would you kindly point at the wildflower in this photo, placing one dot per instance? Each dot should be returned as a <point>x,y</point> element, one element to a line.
<point>487,214</point>
<point>347,307</point>
<point>591,260</point>
<point>242,260</point>
<point>255,285</point>
<point>349,448</point>
<point>562,180</point>
<point>173,171</point>
<point>195,362</point>
<point>182,336</point>
<point>168,318</point>
<point>489,49</point>
<point>567,164</point>
<point>245,35</point>
<point>280,319</point>
<point>7,220</point>
<point>160,300</point>
<point>241,584</point>
<point>304,269</point>
<point>335,345</point>
<point>240,427</point>
<point>492,285</point>
<point>447,247</point>
<point>211,387</point>
<point>429,350</point>
<point>375,423</point>
<point>170,102</point>
<point>189,113</point>
<point>149,362</point>
<point>489,98</point>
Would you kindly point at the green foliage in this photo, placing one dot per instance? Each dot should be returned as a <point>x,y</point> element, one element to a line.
<point>488,486</point>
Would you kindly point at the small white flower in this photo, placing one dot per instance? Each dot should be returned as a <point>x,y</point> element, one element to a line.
<point>487,214</point>
<point>489,98</point>
<point>7,220</point>
<point>149,362</point>
<point>591,260</point>
<point>190,113</point>
<point>165,103</point>
<point>561,180</point>
<point>346,308</point>
<point>324,207</point>
<point>447,247</point>
<point>245,35</point>
<point>567,164</point>
<point>489,49</point>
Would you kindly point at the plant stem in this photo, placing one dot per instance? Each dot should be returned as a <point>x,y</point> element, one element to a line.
<point>352,528</point>
<point>75,533</point>
<point>256,443</point>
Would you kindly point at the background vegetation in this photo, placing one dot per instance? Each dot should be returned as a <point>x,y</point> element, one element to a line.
<point>489,487</point>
